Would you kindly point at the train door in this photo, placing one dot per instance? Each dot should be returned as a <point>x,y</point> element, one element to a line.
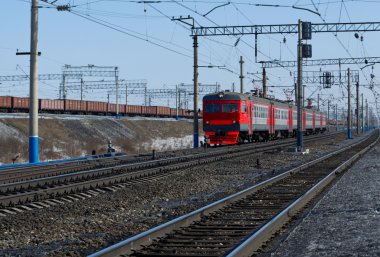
<point>320,121</point>
<point>313,120</point>
<point>273,118</point>
<point>290,119</point>
<point>250,117</point>
<point>269,119</point>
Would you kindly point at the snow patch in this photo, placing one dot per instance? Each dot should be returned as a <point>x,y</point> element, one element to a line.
<point>170,143</point>
<point>7,132</point>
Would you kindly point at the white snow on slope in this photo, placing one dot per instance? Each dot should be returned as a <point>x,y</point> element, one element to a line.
<point>170,143</point>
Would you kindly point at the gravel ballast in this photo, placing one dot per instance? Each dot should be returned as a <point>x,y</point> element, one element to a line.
<point>83,227</point>
<point>346,221</point>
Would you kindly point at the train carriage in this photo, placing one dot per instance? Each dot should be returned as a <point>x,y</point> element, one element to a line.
<point>75,106</point>
<point>308,121</point>
<point>20,104</point>
<point>47,105</point>
<point>230,118</point>
<point>5,102</point>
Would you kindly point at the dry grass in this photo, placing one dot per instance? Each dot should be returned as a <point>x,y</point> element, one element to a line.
<point>73,138</point>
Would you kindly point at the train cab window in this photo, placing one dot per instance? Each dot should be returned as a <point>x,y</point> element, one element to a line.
<point>229,107</point>
<point>212,108</point>
<point>243,107</point>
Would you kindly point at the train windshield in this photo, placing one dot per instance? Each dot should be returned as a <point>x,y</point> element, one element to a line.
<point>229,107</point>
<point>211,108</point>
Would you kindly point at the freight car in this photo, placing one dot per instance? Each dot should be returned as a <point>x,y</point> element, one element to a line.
<point>21,104</point>
<point>230,118</point>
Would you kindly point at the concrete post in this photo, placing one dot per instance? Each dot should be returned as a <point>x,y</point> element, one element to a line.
<point>196,129</point>
<point>299,91</point>
<point>176,102</point>
<point>117,92</point>
<point>357,110</point>
<point>241,75</point>
<point>328,115</point>
<point>362,115</point>
<point>264,83</point>
<point>33,93</point>
<point>81,89</point>
<point>349,136</point>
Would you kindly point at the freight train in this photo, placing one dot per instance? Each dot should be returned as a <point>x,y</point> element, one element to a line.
<point>21,104</point>
<point>230,118</point>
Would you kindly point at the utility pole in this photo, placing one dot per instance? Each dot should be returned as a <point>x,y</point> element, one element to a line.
<point>145,97</point>
<point>64,87</point>
<point>336,117</point>
<point>264,83</point>
<point>318,102</point>
<point>299,91</point>
<point>349,105</point>
<point>81,89</point>
<point>241,75</point>
<point>328,115</point>
<point>176,102</point>
<point>303,96</point>
<point>117,92</point>
<point>108,98</point>
<point>233,87</point>
<point>33,93</point>
<point>362,115</point>
<point>126,94</point>
<point>366,115</point>
<point>357,109</point>
<point>195,136</point>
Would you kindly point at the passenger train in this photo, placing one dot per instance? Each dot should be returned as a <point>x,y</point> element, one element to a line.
<point>231,118</point>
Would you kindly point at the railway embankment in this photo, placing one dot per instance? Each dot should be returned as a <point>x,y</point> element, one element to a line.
<point>63,136</point>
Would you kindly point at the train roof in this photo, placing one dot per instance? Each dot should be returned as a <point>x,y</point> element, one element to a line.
<point>226,96</point>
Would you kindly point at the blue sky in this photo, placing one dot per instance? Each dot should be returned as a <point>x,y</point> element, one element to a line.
<point>67,38</point>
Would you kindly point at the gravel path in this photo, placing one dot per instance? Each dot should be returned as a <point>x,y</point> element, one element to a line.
<point>83,227</point>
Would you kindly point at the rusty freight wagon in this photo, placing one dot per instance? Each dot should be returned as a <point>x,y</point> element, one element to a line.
<point>5,103</point>
<point>46,105</point>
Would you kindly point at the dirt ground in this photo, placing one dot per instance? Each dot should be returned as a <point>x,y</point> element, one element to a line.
<point>72,136</point>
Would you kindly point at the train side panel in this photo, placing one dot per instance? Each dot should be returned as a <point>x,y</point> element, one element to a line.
<point>51,105</point>
<point>5,102</point>
<point>20,103</point>
<point>134,109</point>
<point>75,106</point>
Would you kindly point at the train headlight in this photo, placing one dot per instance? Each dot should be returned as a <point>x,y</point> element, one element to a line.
<point>234,121</point>
<point>207,122</point>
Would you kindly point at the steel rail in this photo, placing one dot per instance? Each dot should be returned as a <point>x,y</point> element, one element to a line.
<point>31,172</point>
<point>134,166</point>
<point>39,189</point>
<point>139,241</point>
<point>255,241</point>
<point>51,170</point>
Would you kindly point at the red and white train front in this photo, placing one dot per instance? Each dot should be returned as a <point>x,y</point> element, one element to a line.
<point>226,117</point>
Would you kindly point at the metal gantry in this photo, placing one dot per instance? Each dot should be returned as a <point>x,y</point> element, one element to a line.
<point>283,29</point>
<point>320,62</point>
<point>337,77</point>
<point>80,72</point>
<point>125,86</point>
<point>276,29</point>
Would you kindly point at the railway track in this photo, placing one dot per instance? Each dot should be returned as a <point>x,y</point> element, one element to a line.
<point>51,186</point>
<point>240,224</point>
